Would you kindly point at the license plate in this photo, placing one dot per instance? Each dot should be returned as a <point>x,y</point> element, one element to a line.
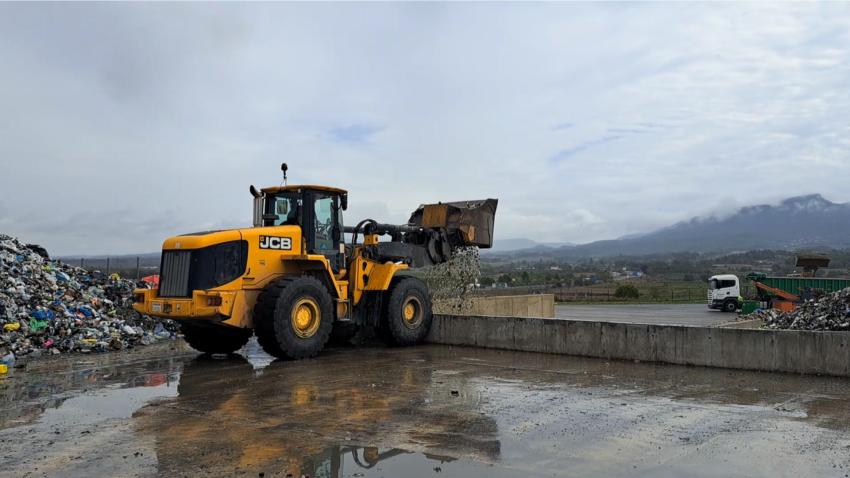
<point>156,307</point>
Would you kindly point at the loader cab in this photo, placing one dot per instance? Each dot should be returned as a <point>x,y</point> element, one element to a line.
<point>317,210</point>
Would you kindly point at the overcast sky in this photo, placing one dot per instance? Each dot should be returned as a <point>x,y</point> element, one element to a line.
<point>122,124</point>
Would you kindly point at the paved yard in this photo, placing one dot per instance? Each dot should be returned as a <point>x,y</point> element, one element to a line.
<point>429,411</point>
<point>667,314</point>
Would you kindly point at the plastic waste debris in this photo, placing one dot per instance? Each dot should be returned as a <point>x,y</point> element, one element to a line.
<point>47,307</point>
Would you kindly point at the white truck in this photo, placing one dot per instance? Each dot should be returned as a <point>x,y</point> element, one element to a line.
<point>724,292</point>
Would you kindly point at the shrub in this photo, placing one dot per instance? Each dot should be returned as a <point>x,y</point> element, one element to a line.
<point>626,291</point>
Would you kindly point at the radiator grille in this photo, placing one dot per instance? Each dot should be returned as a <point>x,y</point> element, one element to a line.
<point>174,275</point>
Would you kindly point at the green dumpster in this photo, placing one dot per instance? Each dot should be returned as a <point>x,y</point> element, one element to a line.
<point>749,306</point>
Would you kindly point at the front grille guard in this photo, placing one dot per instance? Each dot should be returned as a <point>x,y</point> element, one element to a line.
<point>174,275</point>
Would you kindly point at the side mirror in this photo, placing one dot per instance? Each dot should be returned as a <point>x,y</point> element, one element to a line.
<point>343,202</point>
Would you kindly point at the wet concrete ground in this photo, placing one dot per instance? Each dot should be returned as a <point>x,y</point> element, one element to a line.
<point>656,314</point>
<point>414,412</point>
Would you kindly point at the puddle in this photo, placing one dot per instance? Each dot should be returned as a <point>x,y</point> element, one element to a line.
<point>434,412</point>
<point>88,391</point>
<point>106,404</point>
<point>375,462</point>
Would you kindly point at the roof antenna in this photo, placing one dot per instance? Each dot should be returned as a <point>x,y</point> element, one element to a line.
<point>284,168</point>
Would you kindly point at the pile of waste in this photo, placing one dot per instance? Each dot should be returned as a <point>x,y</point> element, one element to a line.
<point>828,312</point>
<point>451,282</point>
<point>47,307</point>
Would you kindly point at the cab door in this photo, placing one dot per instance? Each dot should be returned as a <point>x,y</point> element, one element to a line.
<point>324,228</point>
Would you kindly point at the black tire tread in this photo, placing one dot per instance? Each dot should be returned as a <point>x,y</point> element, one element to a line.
<point>400,288</point>
<point>269,310</point>
<point>264,316</point>
<point>214,339</point>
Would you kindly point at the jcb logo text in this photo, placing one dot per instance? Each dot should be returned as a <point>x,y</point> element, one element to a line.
<point>272,242</point>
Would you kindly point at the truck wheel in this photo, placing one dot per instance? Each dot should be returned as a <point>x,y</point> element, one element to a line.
<point>408,311</point>
<point>293,318</point>
<point>215,339</point>
<point>730,306</point>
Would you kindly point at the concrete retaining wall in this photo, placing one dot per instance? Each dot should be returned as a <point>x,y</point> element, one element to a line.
<point>823,353</point>
<point>535,305</point>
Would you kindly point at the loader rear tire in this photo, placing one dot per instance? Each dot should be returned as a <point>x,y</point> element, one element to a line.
<point>407,311</point>
<point>293,318</point>
<point>215,339</point>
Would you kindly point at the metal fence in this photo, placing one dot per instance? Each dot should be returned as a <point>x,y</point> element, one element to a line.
<point>126,267</point>
<point>685,295</point>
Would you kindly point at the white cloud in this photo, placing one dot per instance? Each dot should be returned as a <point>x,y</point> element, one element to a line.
<point>124,123</point>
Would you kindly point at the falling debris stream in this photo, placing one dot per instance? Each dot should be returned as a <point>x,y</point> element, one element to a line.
<point>452,281</point>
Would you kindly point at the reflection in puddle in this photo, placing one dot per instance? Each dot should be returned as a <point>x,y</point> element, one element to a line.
<point>347,461</point>
<point>90,394</point>
<point>107,403</point>
<point>283,420</point>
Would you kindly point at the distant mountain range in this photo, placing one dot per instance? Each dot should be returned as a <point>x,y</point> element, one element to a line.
<point>803,222</point>
<point>508,245</point>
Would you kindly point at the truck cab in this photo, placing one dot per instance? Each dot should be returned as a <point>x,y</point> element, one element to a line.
<point>723,292</point>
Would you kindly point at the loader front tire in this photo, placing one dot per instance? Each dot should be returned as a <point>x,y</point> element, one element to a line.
<point>215,339</point>
<point>293,318</point>
<point>408,311</point>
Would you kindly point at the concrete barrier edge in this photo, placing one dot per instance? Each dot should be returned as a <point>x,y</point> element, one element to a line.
<point>793,351</point>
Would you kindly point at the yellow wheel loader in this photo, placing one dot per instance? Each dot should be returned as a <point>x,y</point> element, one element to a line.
<point>292,279</point>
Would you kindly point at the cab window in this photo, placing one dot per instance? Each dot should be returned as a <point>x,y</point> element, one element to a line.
<point>286,208</point>
<point>324,223</point>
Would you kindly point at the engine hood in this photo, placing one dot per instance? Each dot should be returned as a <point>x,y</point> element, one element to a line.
<point>197,240</point>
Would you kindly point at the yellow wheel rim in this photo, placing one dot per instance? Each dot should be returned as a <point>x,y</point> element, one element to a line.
<point>305,317</point>
<point>411,312</point>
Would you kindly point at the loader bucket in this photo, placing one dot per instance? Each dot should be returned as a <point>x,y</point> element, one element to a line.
<point>466,223</point>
